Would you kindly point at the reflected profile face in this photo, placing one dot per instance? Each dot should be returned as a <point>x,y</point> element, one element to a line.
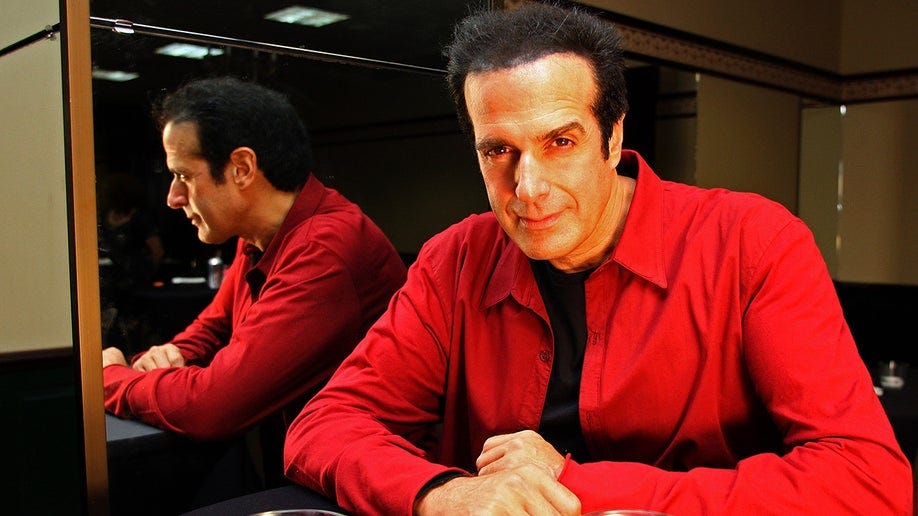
<point>539,148</point>
<point>211,207</point>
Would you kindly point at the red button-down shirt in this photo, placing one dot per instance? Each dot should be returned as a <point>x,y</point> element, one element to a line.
<point>325,277</point>
<point>719,375</point>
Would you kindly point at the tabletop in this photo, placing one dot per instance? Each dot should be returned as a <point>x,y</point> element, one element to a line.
<point>186,474</point>
<point>126,435</point>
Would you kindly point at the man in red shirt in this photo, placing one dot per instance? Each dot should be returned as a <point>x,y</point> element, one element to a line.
<point>603,339</point>
<point>312,272</point>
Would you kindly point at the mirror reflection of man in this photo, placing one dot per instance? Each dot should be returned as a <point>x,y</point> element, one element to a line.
<point>311,273</point>
<point>603,339</point>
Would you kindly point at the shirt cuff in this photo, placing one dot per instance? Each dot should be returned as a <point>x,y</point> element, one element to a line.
<point>567,462</point>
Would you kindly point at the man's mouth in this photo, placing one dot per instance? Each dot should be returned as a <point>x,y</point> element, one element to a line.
<point>543,222</point>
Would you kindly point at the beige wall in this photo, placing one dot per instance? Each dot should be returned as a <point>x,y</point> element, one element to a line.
<point>844,36</point>
<point>879,242</point>
<point>35,308</point>
<point>808,32</point>
<point>23,18</point>
<point>879,36</point>
<point>820,168</point>
<point>858,189</point>
<point>748,139</point>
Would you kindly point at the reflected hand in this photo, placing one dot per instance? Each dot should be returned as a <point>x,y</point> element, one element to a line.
<point>509,451</point>
<point>113,356</point>
<point>159,357</point>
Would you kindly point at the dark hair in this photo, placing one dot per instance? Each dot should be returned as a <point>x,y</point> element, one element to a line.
<point>494,39</point>
<point>231,113</point>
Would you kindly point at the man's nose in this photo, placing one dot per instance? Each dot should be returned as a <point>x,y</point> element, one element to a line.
<point>530,183</point>
<point>177,196</point>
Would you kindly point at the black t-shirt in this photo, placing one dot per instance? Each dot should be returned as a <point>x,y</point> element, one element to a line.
<point>565,300</point>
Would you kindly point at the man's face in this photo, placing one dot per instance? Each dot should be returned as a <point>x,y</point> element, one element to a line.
<point>210,206</point>
<point>540,153</point>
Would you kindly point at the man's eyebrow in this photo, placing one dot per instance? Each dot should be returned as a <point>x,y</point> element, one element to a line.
<point>175,170</point>
<point>489,143</point>
<point>558,131</point>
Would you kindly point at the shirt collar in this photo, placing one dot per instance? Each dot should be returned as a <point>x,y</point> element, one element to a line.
<point>640,248</point>
<point>304,206</point>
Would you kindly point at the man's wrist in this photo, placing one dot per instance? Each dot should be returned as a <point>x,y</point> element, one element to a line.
<point>439,480</point>
<point>434,483</point>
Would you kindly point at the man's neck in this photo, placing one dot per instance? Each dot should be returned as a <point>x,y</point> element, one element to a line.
<point>614,219</point>
<point>267,214</point>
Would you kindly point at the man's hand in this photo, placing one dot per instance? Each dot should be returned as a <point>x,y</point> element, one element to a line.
<point>509,451</point>
<point>522,490</point>
<point>113,356</point>
<point>158,357</point>
<point>517,473</point>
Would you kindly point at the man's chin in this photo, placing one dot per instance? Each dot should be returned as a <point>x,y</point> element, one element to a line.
<point>207,237</point>
<point>537,252</point>
<point>534,244</point>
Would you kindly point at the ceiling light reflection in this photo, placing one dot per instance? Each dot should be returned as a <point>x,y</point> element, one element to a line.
<point>309,16</point>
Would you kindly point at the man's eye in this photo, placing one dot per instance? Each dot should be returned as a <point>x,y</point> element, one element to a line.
<point>563,142</point>
<point>496,151</point>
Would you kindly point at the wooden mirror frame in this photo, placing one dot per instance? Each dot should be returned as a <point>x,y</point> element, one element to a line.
<point>84,258</point>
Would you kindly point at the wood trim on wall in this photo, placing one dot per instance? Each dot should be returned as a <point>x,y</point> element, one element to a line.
<point>81,184</point>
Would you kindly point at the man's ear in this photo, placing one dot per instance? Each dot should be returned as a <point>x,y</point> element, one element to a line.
<point>615,141</point>
<point>245,166</point>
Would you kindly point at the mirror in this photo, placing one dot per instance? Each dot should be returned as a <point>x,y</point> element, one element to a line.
<point>383,128</point>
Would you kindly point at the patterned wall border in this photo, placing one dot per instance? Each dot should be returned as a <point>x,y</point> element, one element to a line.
<point>658,44</point>
<point>647,44</point>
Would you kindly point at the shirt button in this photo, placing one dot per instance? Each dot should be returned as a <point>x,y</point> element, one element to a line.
<point>544,355</point>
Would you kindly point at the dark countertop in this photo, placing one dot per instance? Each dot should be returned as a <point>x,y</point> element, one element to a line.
<point>902,409</point>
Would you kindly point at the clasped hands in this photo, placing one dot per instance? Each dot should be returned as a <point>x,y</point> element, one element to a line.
<point>157,357</point>
<point>517,473</point>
